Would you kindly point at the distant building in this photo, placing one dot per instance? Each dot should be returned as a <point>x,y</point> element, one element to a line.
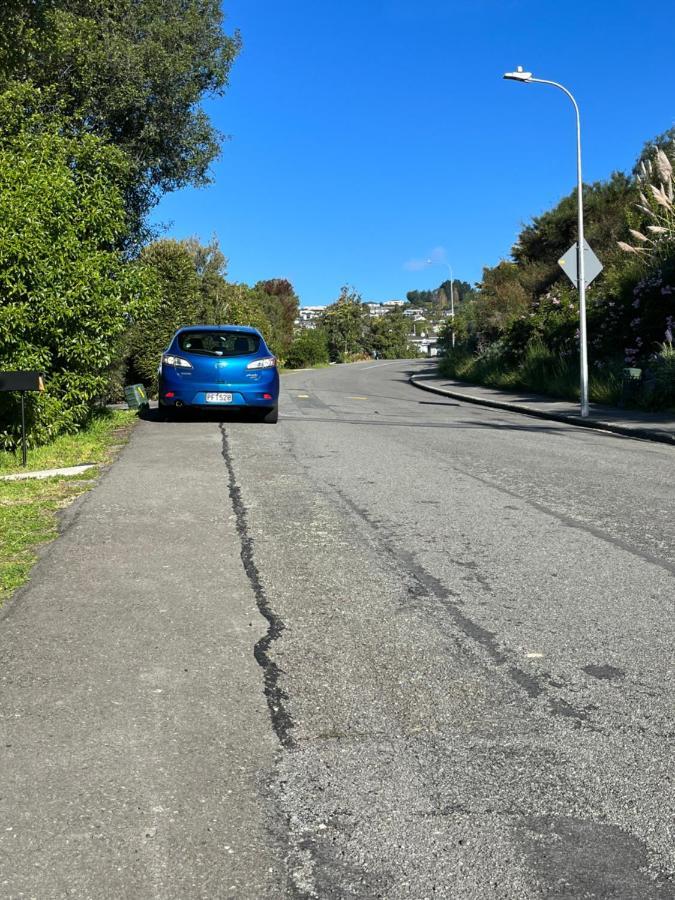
<point>380,309</point>
<point>308,315</point>
<point>426,346</point>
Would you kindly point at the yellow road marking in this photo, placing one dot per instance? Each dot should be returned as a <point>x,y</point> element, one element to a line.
<point>357,398</point>
<point>303,396</point>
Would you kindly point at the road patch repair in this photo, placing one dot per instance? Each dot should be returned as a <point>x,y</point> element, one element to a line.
<point>626,422</point>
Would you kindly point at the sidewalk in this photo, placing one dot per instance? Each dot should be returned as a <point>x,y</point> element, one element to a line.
<point>631,422</point>
<point>135,733</point>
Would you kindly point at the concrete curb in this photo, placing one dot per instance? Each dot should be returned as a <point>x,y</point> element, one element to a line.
<point>645,434</point>
<point>49,473</point>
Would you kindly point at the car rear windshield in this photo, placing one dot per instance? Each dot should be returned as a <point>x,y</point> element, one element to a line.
<point>219,343</point>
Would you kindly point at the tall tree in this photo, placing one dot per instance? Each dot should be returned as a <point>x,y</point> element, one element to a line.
<point>66,292</point>
<point>132,71</point>
<point>390,335</point>
<point>345,324</point>
<point>192,290</point>
<point>541,244</point>
<point>280,304</point>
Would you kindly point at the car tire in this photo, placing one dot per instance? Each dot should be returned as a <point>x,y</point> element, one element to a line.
<point>167,412</point>
<point>269,415</point>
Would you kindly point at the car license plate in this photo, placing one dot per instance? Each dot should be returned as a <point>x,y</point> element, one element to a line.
<point>219,398</point>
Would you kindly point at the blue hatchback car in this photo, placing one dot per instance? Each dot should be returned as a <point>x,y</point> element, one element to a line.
<point>219,366</point>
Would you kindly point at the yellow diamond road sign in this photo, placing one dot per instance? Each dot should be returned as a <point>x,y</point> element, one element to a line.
<point>592,265</point>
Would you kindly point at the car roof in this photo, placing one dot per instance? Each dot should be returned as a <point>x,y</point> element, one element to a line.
<point>244,329</point>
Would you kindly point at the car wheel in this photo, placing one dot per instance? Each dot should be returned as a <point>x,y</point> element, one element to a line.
<point>269,416</point>
<point>166,411</point>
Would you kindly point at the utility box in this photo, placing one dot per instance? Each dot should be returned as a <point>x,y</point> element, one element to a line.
<point>136,397</point>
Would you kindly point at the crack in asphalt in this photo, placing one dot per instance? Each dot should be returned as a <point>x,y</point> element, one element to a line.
<point>277,698</point>
<point>532,684</point>
<point>570,522</point>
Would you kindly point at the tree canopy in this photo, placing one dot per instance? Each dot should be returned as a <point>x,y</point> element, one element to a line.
<point>67,293</point>
<point>131,72</point>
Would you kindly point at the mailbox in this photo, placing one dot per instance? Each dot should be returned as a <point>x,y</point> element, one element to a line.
<point>22,382</point>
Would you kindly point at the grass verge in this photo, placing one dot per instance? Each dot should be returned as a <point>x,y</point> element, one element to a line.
<point>540,371</point>
<point>29,509</point>
<point>284,370</point>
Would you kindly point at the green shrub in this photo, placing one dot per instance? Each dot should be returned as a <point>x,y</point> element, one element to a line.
<point>67,293</point>
<point>310,348</point>
<point>659,388</point>
<point>189,293</point>
<point>546,372</point>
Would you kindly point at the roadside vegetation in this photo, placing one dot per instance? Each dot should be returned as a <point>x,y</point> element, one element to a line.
<point>346,332</point>
<point>100,116</point>
<point>519,327</point>
<point>29,508</point>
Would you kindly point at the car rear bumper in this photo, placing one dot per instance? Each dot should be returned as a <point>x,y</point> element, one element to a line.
<point>184,392</point>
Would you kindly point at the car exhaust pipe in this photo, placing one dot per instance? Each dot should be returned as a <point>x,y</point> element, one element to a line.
<point>179,404</point>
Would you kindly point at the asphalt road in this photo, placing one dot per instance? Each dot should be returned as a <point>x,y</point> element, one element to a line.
<point>395,646</point>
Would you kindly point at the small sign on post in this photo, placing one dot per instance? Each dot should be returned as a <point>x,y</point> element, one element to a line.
<point>592,265</point>
<point>22,382</point>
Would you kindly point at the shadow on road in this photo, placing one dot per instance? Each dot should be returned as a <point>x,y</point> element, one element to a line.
<point>434,403</point>
<point>219,416</point>
<point>456,425</point>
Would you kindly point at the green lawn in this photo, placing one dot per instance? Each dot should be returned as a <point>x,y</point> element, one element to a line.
<point>90,445</point>
<point>28,509</point>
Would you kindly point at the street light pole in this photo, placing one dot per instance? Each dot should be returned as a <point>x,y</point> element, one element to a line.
<point>452,303</point>
<point>452,297</point>
<point>528,78</point>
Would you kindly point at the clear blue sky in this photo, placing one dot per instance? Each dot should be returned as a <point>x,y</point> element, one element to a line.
<point>366,133</point>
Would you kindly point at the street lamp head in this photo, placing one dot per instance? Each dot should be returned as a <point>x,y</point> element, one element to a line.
<point>518,75</point>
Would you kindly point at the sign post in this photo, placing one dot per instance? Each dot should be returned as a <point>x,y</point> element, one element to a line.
<point>22,382</point>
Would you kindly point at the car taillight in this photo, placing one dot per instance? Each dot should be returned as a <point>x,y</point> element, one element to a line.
<point>177,361</point>
<point>269,362</point>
